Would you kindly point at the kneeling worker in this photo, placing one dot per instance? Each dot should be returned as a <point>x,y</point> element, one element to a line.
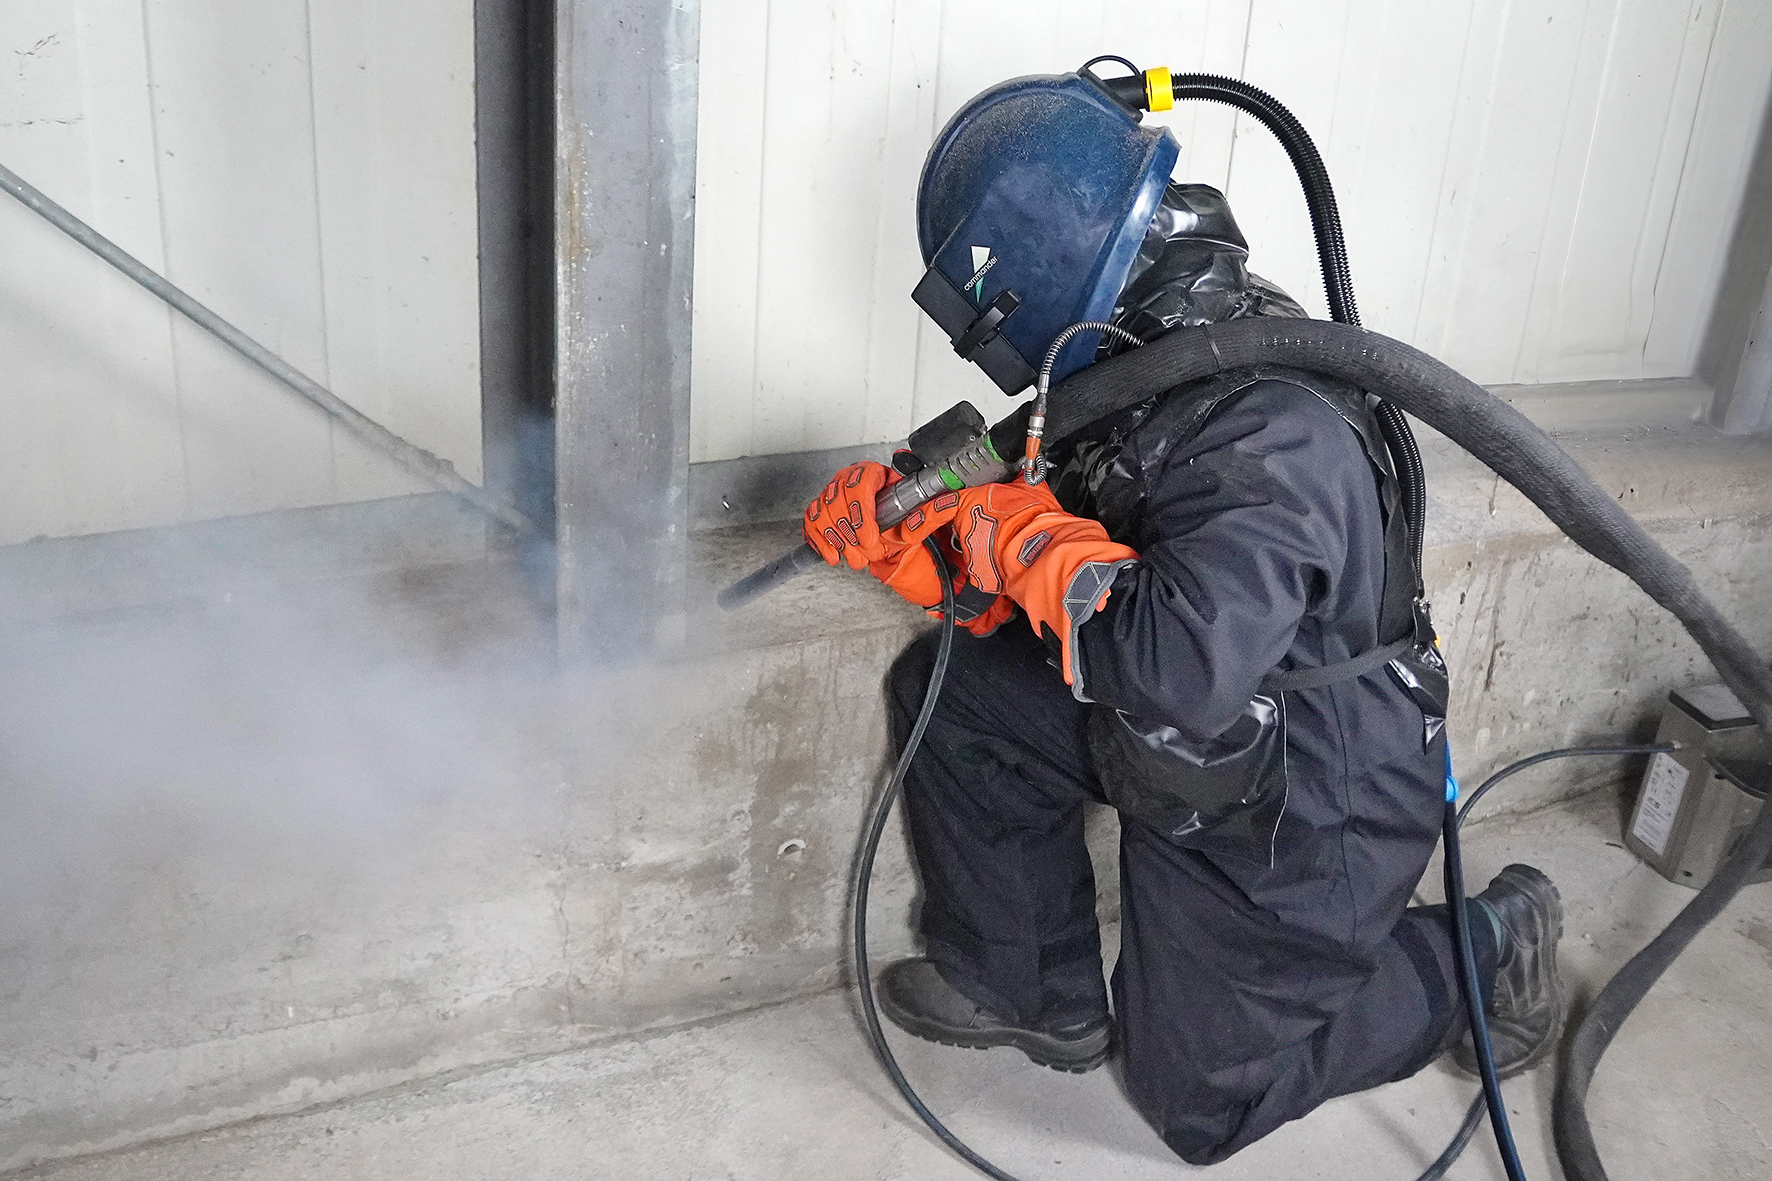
<point>1216,635</point>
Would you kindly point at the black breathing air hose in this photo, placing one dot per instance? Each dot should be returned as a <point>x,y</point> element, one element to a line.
<point>1471,986</point>
<point>1338,286</point>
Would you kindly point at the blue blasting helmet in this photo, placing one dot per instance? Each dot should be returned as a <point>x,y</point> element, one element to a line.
<point>1031,209</point>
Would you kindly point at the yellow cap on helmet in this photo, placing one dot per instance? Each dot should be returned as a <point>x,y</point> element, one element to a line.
<point>1158,93</point>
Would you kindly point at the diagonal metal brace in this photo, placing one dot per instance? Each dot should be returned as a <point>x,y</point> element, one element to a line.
<point>417,460</point>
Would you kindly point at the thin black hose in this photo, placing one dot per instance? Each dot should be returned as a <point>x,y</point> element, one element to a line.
<point>1109,57</point>
<point>1466,958</point>
<point>878,811</point>
<point>1453,868</point>
<point>1473,1119</point>
<point>1566,752</point>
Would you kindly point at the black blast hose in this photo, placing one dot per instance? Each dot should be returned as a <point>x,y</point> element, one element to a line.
<point>1523,455</point>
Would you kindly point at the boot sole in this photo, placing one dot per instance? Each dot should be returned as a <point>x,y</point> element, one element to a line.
<point>1077,1056</point>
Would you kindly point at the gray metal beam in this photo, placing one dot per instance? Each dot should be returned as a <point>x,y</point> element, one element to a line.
<point>625,92</point>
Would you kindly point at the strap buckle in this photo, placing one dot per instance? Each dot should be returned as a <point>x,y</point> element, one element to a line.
<point>987,325</point>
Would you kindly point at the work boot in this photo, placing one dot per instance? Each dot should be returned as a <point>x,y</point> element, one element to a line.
<point>917,998</point>
<point>1526,1009</point>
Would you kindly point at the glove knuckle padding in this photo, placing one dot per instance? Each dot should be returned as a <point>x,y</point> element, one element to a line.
<point>981,556</point>
<point>1032,548</point>
<point>1003,542</point>
<point>849,532</point>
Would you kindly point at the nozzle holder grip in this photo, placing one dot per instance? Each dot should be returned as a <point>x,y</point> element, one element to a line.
<point>891,506</point>
<point>978,462</point>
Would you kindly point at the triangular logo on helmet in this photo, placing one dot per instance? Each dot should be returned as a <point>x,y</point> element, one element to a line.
<point>982,260</point>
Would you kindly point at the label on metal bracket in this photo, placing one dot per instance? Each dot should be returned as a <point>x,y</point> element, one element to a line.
<point>1663,788</point>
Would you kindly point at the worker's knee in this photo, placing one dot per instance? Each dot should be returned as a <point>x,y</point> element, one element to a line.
<point>1196,1078</point>
<point>1199,1128</point>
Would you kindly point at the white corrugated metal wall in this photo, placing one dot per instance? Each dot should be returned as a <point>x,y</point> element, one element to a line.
<point>304,167</point>
<point>1535,192</point>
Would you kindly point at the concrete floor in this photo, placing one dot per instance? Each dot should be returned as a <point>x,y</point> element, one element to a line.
<point>791,1091</point>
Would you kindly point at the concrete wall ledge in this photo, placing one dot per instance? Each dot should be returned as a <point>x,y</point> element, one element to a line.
<point>1666,473</point>
<point>61,577</point>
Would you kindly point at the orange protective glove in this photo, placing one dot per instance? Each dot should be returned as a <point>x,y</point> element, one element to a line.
<point>912,575</point>
<point>1060,568</point>
<point>840,525</point>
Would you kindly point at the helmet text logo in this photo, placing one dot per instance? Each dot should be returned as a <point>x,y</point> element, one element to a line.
<point>982,261</point>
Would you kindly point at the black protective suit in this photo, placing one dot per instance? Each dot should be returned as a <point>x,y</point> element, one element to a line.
<point>1268,960</point>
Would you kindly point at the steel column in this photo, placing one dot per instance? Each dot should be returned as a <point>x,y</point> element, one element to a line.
<point>625,91</point>
<point>1736,357</point>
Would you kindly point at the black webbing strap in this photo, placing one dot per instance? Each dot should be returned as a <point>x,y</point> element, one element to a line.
<point>1329,674</point>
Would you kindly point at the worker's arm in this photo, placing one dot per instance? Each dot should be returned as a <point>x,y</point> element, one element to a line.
<point>1251,521</point>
